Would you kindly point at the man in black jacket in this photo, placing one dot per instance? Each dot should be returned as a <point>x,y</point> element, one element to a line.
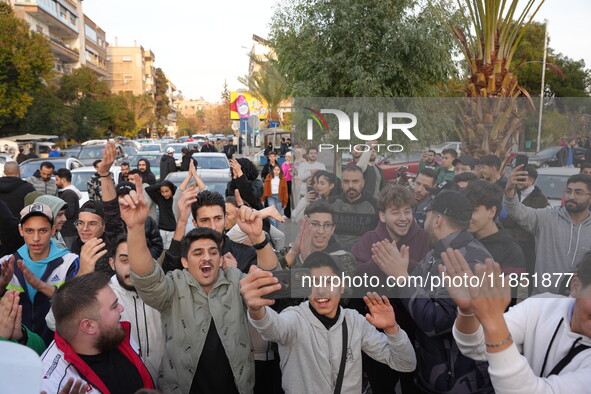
<point>167,163</point>
<point>207,147</point>
<point>146,173</point>
<point>185,160</point>
<point>13,189</point>
<point>71,195</point>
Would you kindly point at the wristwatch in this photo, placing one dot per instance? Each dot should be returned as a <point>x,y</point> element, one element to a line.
<point>262,244</point>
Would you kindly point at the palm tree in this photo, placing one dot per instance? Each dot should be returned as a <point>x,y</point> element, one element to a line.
<point>267,84</point>
<point>490,118</point>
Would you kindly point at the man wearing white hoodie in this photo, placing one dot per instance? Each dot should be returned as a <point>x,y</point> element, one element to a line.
<point>71,195</point>
<point>562,234</point>
<point>320,343</point>
<point>542,345</point>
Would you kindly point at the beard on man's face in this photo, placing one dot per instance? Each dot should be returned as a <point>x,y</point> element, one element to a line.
<point>110,339</point>
<point>574,207</point>
<point>121,281</point>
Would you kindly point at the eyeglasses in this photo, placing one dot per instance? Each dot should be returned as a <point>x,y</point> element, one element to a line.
<point>576,192</point>
<point>325,227</point>
<point>90,225</point>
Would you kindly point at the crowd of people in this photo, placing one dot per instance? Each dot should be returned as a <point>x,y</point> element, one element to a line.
<point>149,287</point>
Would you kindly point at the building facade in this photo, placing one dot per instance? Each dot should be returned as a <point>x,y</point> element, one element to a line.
<point>131,69</point>
<point>75,40</point>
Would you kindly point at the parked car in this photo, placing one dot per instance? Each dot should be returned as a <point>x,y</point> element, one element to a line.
<point>89,153</point>
<point>391,163</point>
<point>72,151</point>
<point>81,175</point>
<point>28,167</point>
<point>215,181</point>
<point>152,157</point>
<point>549,157</point>
<point>151,148</point>
<point>130,150</point>
<point>552,182</point>
<point>446,145</point>
<point>146,141</point>
<point>214,161</point>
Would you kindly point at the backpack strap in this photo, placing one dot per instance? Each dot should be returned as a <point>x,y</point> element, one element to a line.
<point>340,376</point>
<point>574,350</point>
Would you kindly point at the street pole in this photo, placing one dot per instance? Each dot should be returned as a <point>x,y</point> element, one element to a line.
<point>543,84</point>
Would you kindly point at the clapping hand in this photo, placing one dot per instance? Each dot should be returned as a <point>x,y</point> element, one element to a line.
<point>381,314</point>
<point>389,259</point>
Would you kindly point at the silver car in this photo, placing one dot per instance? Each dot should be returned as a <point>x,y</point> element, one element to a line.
<point>214,162</point>
<point>552,182</point>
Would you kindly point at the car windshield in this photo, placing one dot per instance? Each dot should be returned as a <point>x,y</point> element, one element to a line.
<point>28,169</point>
<point>95,152</point>
<point>177,148</point>
<point>212,163</point>
<point>552,185</point>
<point>548,151</point>
<point>79,179</point>
<point>154,160</point>
<point>150,148</point>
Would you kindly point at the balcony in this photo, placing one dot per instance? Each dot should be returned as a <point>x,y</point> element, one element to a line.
<point>99,71</point>
<point>63,52</point>
<point>61,17</point>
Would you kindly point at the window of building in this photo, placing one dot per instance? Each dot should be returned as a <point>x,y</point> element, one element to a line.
<point>73,19</point>
<point>126,58</point>
<point>39,29</point>
<point>63,12</point>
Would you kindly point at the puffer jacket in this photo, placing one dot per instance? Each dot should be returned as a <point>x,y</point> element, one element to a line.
<point>187,311</point>
<point>42,186</point>
<point>13,191</point>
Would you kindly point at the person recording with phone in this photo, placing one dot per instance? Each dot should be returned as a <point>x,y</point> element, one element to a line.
<point>319,339</point>
<point>323,185</point>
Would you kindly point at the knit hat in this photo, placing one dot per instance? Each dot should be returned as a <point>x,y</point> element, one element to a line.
<point>31,197</point>
<point>55,203</point>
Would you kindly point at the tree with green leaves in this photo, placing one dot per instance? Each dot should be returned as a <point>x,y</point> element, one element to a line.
<point>48,114</point>
<point>364,48</point>
<point>162,101</point>
<point>26,62</point>
<point>87,96</point>
<point>490,117</point>
<point>142,107</point>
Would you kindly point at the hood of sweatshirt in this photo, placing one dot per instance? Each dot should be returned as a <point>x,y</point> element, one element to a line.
<point>10,183</point>
<point>574,239</point>
<point>74,189</point>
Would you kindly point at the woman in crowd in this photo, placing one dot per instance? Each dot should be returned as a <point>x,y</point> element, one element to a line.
<point>288,169</point>
<point>162,194</point>
<point>275,191</point>
<point>323,185</point>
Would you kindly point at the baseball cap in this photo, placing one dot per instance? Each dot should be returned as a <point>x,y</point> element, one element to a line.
<point>93,206</point>
<point>467,160</point>
<point>36,209</point>
<point>124,187</point>
<point>170,150</point>
<point>453,204</point>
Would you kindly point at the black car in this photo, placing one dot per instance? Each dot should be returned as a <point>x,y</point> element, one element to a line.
<point>550,157</point>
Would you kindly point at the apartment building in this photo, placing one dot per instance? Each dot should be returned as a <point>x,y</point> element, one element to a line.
<point>131,69</point>
<point>75,40</point>
<point>189,108</point>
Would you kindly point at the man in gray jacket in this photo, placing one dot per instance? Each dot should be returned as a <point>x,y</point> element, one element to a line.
<point>562,234</point>
<point>207,348</point>
<point>311,335</point>
<point>41,179</point>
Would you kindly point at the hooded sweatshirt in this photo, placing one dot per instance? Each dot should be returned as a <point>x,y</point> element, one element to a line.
<point>560,243</point>
<point>532,325</point>
<point>147,177</point>
<point>504,249</point>
<point>13,191</point>
<point>71,195</point>
<point>311,354</point>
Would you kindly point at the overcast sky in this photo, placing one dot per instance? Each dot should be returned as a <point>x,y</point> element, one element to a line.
<point>199,44</point>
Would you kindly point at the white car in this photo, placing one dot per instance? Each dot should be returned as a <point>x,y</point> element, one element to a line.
<point>214,162</point>
<point>446,145</point>
<point>552,182</point>
<point>81,175</point>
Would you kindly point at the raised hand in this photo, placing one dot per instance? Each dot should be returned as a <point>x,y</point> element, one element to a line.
<point>17,332</point>
<point>254,286</point>
<point>271,212</point>
<point>381,314</point>
<point>73,387</point>
<point>515,178</point>
<point>8,313</point>
<point>455,265</point>
<point>109,155</point>
<point>133,207</point>
<point>236,168</point>
<point>90,253</point>
<point>228,261</point>
<point>6,273</point>
<point>491,299</point>
<point>249,220</point>
<point>188,197</point>
<point>389,259</point>
<point>30,277</point>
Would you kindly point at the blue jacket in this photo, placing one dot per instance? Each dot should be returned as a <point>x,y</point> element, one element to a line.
<point>56,273</point>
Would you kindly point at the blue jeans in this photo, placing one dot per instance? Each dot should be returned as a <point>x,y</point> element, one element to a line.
<point>274,201</point>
